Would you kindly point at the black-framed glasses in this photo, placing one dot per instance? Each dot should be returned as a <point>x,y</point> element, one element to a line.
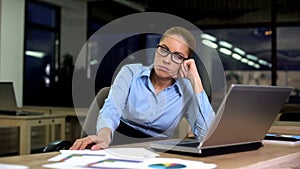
<point>175,56</point>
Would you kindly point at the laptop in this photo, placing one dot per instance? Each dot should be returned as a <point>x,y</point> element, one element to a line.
<point>8,103</point>
<point>241,122</point>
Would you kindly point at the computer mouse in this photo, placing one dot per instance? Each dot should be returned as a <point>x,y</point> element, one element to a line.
<point>58,145</point>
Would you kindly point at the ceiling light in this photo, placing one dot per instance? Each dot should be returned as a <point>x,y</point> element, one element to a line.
<point>239,51</point>
<point>244,60</point>
<point>225,51</point>
<point>209,44</point>
<point>133,5</point>
<point>270,65</point>
<point>262,62</point>
<point>225,44</point>
<point>94,62</point>
<point>236,56</point>
<point>252,57</point>
<point>208,37</point>
<point>35,54</point>
<point>257,66</point>
<point>250,63</point>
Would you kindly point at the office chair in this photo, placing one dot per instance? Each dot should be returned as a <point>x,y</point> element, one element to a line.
<point>89,125</point>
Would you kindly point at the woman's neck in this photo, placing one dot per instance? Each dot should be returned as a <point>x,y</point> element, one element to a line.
<point>160,84</point>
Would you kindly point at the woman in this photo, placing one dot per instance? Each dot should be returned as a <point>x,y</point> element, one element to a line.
<point>150,101</point>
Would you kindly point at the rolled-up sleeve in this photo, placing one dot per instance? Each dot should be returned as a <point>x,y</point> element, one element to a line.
<point>200,114</point>
<point>110,114</point>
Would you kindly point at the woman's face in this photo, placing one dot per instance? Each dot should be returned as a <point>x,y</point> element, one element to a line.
<point>164,66</point>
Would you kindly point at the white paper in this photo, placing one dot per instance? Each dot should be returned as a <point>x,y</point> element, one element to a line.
<point>67,155</point>
<point>12,166</point>
<point>131,153</point>
<point>125,158</point>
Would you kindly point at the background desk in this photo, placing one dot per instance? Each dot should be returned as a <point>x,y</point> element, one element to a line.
<point>25,123</point>
<point>74,118</point>
<point>39,138</point>
<point>234,160</point>
<point>284,127</point>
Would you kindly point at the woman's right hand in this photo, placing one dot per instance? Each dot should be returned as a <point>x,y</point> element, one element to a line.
<point>92,142</point>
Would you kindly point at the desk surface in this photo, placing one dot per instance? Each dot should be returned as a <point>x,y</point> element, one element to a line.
<point>285,128</point>
<point>32,117</point>
<point>67,111</point>
<point>234,160</point>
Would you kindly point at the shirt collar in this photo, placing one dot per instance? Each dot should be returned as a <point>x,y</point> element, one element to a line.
<point>147,72</point>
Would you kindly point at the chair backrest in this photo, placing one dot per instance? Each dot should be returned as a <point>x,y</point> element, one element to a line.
<point>89,125</point>
<point>204,77</point>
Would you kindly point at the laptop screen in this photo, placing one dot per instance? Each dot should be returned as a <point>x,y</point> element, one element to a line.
<point>7,96</point>
<point>244,117</point>
<point>246,114</point>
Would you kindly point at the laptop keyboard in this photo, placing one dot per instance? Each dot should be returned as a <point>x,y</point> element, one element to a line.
<point>188,143</point>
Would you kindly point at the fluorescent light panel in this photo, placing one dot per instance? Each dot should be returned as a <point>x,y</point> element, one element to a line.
<point>252,57</point>
<point>244,60</point>
<point>225,51</point>
<point>225,44</point>
<point>236,56</point>
<point>239,51</point>
<point>208,37</point>
<point>35,54</point>
<point>262,62</point>
<point>251,63</point>
<point>210,44</point>
<point>209,40</point>
<point>94,62</point>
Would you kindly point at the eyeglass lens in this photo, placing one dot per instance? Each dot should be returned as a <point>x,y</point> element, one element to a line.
<point>163,51</point>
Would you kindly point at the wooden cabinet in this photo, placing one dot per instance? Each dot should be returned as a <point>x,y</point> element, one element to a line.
<point>9,136</point>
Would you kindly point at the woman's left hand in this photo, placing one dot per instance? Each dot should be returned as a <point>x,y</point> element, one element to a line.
<point>189,70</point>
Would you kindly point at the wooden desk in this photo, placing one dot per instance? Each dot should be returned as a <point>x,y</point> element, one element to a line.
<point>234,160</point>
<point>66,111</point>
<point>74,118</point>
<point>294,107</point>
<point>285,127</point>
<point>26,122</point>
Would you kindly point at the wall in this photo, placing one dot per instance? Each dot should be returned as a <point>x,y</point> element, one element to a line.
<point>12,43</point>
<point>12,18</point>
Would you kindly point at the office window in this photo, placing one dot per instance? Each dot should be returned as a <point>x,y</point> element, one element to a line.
<point>245,53</point>
<point>288,11</point>
<point>41,14</point>
<point>288,59</point>
<point>41,54</point>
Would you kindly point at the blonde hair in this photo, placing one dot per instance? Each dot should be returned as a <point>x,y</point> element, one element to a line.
<point>185,34</point>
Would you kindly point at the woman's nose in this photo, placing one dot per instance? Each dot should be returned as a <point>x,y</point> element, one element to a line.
<point>167,59</point>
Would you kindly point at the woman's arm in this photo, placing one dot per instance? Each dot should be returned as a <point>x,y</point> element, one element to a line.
<point>202,114</point>
<point>94,142</point>
<point>189,70</point>
<point>110,114</point>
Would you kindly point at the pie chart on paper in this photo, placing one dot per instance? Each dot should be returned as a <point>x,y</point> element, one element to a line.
<point>166,165</point>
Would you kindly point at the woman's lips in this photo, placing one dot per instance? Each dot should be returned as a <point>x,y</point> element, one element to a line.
<point>163,68</point>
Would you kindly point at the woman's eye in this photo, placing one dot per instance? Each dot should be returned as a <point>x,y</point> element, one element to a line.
<point>164,50</point>
<point>178,57</point>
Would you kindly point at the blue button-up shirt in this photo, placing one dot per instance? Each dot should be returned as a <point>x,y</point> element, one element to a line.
<point>133,100</point>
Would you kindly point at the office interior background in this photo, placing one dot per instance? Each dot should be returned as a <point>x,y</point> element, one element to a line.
<point>258,42</point>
